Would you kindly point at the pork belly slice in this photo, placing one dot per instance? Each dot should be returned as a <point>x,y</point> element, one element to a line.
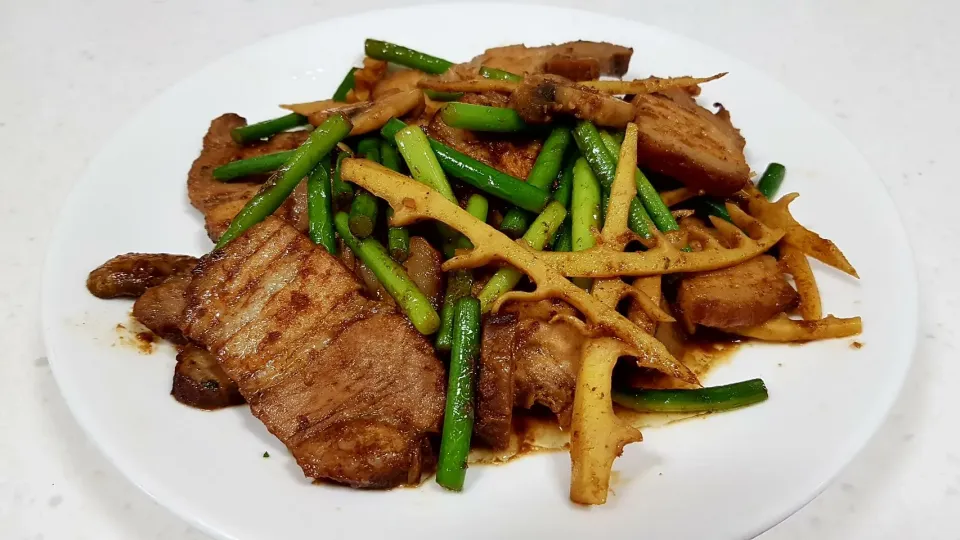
<point>527,358</point>
<point>220,201</point>
<point>347,383</point>
<point>747,294</point>
<point>198,380</point>
<point>679,138</point>
<point>576,60</point>
<point>494,412</point>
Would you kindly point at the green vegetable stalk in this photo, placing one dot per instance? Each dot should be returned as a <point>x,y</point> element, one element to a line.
<point>342,190</point>
<point>562,194</point>
<point>459,413</point>
<point>545,170</point>
<point>716,398</point>
<point>390,52</point>
<point>262,130</point>
<point>482,118</point>
<point>320,142</point>
<point>422,162</point>
<point>479,175</point>
<point>255,165</point>
<point>585,206</point>
<point>365,207</point>
<point>772,178</point>
<point>593,149</point>
<point>460,282</point>
<point>398,238</point>
<point>393,277</point>
<point>584,212</point>
<point>320,206</point>
<point>499,74</point>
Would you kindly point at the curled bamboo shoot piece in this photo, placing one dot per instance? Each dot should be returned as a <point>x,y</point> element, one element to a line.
<point>796,264</point>
<point>470,85</point>
<point>318,111</point>
<point>777,214</point>
<point>385,108</point>
<point>597,435</point>
<point>640,312</point>
<point>648,85</point>
<point>784,329</point>
<point>662,257</point>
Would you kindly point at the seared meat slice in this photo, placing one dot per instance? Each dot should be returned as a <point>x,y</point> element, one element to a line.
<point>527,358</point>
<point>747,294</point>
<point>220,201</point>
<point>512,155</point>
<point>199,381</point>
<point>494,414</point>
<point>539,97</point>
<point>577,60</point>
<point>134,273</point>
<point>161,308</point>
<point>424,267</point>
<point>681,139</point>
<point>547,356</point>
<point>345,382</point>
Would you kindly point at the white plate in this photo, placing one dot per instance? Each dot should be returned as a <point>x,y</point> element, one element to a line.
<point>728,476</point>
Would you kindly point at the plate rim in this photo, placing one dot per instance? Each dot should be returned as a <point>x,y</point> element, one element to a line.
<point>174,504</point>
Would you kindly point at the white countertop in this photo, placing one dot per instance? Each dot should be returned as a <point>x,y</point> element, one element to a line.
<point>72,73</point>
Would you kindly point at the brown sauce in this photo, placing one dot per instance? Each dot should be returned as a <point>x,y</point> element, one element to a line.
<point>135,335</point>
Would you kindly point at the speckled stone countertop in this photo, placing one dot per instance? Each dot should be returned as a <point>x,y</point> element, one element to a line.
<point>72,72</point>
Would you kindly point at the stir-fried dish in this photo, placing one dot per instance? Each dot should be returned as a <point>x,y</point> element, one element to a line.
<point>403,269</point>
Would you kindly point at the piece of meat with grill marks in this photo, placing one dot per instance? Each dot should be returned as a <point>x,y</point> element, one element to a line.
<point>199,381</point>
<point>680,139</point>
<point>540,97</point>
<point>161,308</point>
<point>509,154</point>
<point>221,201</point>
<point>130,275</point>
<point>345,382</point>
<point>747,294</point>
<point>577,60</point>
<point>494,413</point>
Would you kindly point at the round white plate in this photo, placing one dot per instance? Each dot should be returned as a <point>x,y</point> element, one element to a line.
<point>727,476</point>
